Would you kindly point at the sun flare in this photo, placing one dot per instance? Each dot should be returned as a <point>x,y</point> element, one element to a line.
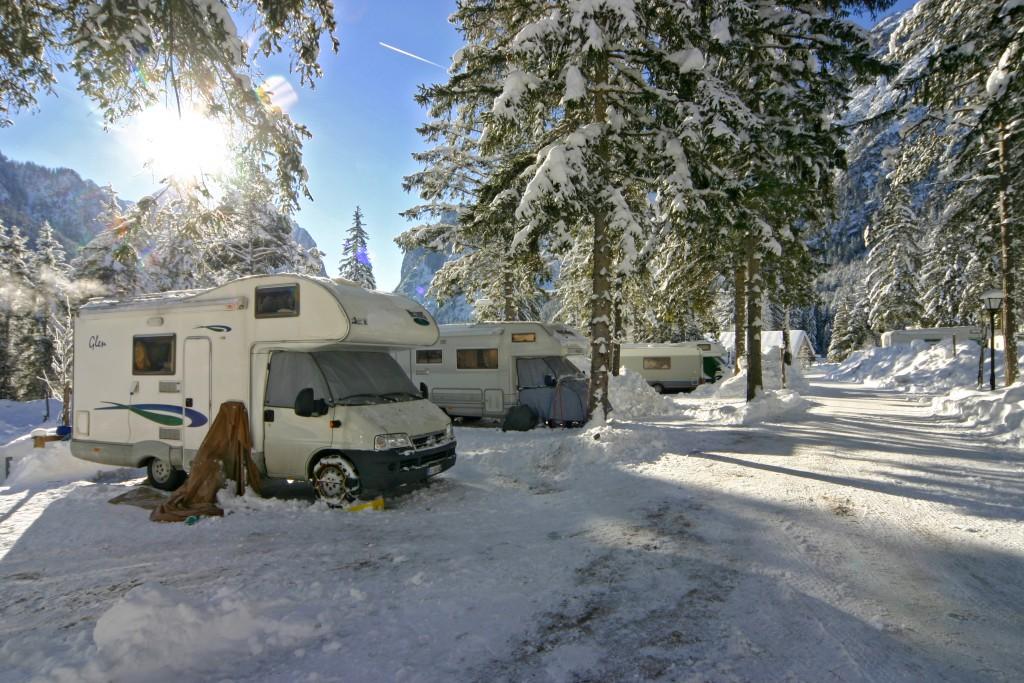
<point>185,148</point>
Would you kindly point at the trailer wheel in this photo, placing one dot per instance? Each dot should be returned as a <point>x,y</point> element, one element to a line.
<point>162,475</point>
<point>336,481</point>
<point>658,388</point>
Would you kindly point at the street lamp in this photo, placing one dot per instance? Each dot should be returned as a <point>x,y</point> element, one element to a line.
<point>992,300</point>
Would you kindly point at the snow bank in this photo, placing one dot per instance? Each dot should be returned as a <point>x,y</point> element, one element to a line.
<point>915,367</point>
<point>631,396</point>
<point>20,417</point>
<point>155,632</point>
<point>53,463</point>
<point>771,376</point>
<point>1000,412</point>
<point>769,405</point>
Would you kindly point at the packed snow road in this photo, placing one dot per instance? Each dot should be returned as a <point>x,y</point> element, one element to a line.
<point>860,540</point>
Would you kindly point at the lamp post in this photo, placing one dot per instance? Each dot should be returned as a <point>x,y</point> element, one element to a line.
<point>992,300</point>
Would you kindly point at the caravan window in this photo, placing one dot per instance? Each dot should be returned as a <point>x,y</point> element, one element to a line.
<point>428,356</point>
<point>476,359</point>
<point>153,355</point>
<point>518,337</point>
<point>657,363</point>
<point>277,302</point>
<point>290,373</point>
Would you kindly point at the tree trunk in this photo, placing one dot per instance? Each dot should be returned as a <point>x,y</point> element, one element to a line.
<point>739,313</point>
<point>601,280</point>
<point>787,353</point>
<point>754,380</point>
<point>1008,265</point>
<point>508,303</point>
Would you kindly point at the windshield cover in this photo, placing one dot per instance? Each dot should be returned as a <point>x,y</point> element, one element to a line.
<point>364,377</point>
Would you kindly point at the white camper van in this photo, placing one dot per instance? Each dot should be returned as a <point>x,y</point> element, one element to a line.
<point>674,367</point>
<point>484,369</point>
<point>309,358</point>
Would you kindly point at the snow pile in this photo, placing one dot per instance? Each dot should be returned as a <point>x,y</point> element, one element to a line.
<point>52,463</point>
<point>145,634</point>
<point>17,417</point>
<point>631,396</point>
<point>771,376</point>
<point>769,405</point>
<point>1000,412</point>
<point>915,367</point>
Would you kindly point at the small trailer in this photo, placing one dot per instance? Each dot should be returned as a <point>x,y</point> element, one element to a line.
<point>674,367</point>
<point>309,358</point>
<point>933,335</point>
<point>484,369</point>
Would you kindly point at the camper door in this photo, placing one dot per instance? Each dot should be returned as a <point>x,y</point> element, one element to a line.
<point>289,439</point>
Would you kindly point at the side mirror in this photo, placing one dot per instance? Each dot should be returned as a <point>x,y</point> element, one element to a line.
<point>307,406</point>
<point>549,380</point>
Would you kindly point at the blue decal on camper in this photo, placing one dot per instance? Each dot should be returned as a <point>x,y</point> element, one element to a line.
<point>156,412</point>
<point>214,328</point>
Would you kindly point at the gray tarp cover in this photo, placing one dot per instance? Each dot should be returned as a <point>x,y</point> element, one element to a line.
<point>565,402</point>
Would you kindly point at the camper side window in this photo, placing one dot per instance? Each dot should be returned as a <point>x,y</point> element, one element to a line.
<point>657,363</point>
<point>476,359</point>
<point>153,355</point>
<point>290,373</point>
<point>428,356</point>
<point>277,302</point>
<point>519,337</point>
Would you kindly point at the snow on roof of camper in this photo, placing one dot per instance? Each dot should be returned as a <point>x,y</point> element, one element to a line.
<point>370,317</point>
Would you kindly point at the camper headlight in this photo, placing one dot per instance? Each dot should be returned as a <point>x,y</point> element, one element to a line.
<point>449,432</point>
<point>386,442</point>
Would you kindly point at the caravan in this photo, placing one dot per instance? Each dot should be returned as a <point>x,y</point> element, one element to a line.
<point>484,369</point>
<point>309,358</point>
<point>673,367</point>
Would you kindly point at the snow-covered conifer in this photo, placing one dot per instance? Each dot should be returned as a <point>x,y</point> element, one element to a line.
<point>894,263</point>
<point>355,256</point>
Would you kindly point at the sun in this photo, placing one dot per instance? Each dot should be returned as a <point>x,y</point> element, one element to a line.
<point>185,147</point>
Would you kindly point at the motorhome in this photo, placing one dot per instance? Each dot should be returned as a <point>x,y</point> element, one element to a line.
<point>932,335</point>
<point>484,369</point>
<point>310,359</point>
<point>675,367</point>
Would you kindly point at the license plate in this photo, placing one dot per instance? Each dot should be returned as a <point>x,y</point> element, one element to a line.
<point>433,469</point>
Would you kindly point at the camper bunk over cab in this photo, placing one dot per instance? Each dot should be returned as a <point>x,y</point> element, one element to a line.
<point>484,369</point>
<point>309,358</point>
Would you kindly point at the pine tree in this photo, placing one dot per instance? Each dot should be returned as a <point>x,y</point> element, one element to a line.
<point>355,259</point>
<point>894,264</point>
<point>971,80</point>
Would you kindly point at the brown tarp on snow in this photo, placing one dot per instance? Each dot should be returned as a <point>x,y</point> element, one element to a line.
<point>225,452</point>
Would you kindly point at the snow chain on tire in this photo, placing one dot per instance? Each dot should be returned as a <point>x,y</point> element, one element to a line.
<point>336,481</point>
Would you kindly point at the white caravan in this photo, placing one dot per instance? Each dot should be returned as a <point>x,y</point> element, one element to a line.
<point>309,358</point>
<point>674,367</point>
<point>932,335</point>
<point>484,369</point>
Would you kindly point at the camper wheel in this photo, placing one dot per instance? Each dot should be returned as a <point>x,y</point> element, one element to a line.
<point>336,481</point>
<point>162,475</point>
<point>658,388</point>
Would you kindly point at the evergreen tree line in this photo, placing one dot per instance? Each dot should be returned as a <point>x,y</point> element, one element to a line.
<point>948,227</point>
<point>669,157</point>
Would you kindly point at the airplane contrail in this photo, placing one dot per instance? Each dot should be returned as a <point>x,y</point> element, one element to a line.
<point>409,54</point>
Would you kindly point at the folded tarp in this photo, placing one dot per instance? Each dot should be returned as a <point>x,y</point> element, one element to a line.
<point>225,452</point>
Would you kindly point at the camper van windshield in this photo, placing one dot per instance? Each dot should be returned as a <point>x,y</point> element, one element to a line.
<point>365,377</point>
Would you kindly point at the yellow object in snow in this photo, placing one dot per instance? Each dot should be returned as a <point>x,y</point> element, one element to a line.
<point>375,504</point>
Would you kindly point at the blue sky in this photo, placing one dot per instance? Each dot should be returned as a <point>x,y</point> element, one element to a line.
<point>361,114</point>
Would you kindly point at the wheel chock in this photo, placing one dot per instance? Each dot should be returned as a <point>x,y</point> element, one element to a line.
<point>375,504</point>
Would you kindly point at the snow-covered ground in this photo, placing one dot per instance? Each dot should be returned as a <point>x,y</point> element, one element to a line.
<point>860,538</point>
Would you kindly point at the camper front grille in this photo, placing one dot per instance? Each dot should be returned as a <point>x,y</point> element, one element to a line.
<point>427,440</point>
